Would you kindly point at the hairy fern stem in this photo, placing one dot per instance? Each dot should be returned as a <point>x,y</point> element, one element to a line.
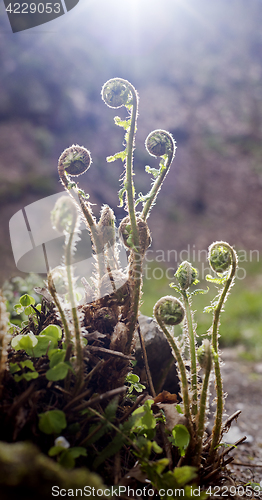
<point>216,433</point>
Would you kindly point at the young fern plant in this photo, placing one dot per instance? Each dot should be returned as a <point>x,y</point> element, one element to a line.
<point>113,295</point>
<point>223,261</point>
<point>75,161</point>
<point>133,228</point>
<point>169,312</point>
<point>186,276</point>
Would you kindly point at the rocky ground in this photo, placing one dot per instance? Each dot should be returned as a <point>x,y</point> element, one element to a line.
<point>243,384</point>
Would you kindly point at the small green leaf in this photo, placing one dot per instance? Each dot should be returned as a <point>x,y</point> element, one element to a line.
<point>156,448</point>
<point>199,291</point>
<point>56,357</point>
<point>185,474</point>
<point>132,378</point>
<point>30,376</point>
<point>18,308</point>
<point>26,376</point>
<point>147,420</point>
<point>110,159</point>
<point>122,123</point>
<point>28,341</point>
<point>67,460</point>
<point>83,194</point>
<point>144,445</point>
<point>179,409</point>
<point>52,422</point>
<point>27,300</point>
<point>134,382</point>
<point>29,310</point>
<point>142,198</point>
<point>58,372</point>
<point>209,309</point>
<point>175,287</point>
<point>52,331</point>
<point>55,450</point>
<point>181,438</point>
<point>216,281</point>
<point>42,346</point>
<point>78,451</point>
<point>155,172</point>
<point>161,464</point>
<point>14,367</point>
<point>28,364</point>
<point>51,352</point>
<point>120,155</point>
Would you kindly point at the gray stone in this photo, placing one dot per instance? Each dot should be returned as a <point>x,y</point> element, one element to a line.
<point>159,355</point>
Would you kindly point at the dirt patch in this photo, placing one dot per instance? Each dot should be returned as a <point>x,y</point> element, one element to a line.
<point>243,384</point>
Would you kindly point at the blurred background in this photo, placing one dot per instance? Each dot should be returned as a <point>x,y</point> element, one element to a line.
<point>197,66</point>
